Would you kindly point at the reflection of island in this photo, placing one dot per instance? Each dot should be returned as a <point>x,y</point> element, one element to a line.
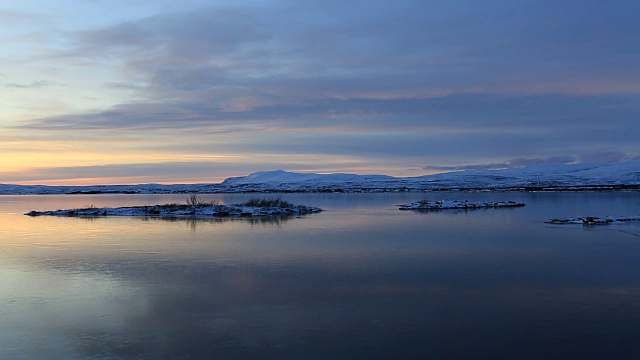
<point>254,208</point>
<point>194,221</point>
<point>458,204</point>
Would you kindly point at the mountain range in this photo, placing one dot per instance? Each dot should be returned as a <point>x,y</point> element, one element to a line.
<point>614,176</point>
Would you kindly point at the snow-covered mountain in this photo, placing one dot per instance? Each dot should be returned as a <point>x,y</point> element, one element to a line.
<point>622,175</point>
<point>281,180</point>
<point>285,177</point>
<point>544,176</point>
<point>567,175</point>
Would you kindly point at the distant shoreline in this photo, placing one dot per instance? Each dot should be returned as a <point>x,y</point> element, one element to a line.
<point>145,189</point>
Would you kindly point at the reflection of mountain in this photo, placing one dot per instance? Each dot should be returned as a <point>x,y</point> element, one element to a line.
<point>620,175</point>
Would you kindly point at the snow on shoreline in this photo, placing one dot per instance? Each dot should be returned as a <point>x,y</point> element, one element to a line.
<point>458,204</point>
<point>573,177</point>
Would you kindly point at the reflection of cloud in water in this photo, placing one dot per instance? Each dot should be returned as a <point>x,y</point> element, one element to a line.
<point>39,306</point>
<point>200,311</point>
<point>262,309</point>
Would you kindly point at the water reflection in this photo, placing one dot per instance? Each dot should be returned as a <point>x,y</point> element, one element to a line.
<point>369,308</point>
<point>366,281</point>
<point>194,221</point>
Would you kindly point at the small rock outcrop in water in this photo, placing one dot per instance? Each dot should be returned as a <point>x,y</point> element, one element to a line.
<point>593,220</point>
<point>252,208</point>
<point>458,204</point>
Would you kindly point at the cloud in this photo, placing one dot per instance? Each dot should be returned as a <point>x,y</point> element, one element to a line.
<point>603,157</point>
<point>33,85</point>
<point>460,64</point>
<point>162,172</point>
<point>213,170</point>
<point>551,113</point>
<point>552,160</point>
<point>417,82</point>
<point>426,130</point>
<point>513,163</point>
<point>492,166</point>
<point>291,52</point>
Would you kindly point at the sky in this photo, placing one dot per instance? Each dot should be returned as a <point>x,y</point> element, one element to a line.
<point>194,91</point>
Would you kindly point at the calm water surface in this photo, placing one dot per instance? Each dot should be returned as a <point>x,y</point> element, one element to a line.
<point>360,280</point>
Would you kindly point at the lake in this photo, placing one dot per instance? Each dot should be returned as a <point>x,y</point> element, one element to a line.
<point>360,280</point>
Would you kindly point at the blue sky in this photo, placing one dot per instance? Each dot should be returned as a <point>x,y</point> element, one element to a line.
<point>196,91</point>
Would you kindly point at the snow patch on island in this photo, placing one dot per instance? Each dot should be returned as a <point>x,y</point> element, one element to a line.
<point>458,204</point>
<point>176,210</point>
